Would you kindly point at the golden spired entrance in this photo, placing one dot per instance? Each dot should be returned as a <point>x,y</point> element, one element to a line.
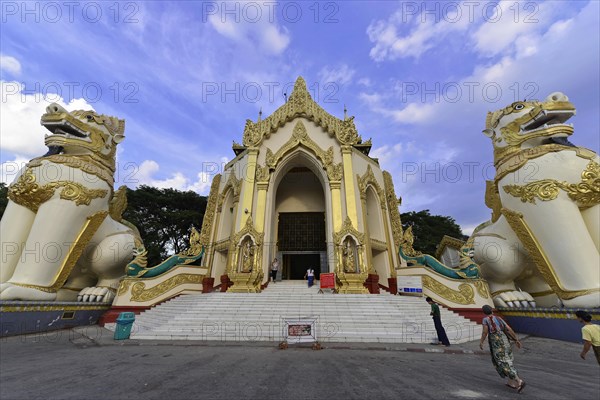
<point>302,160</point>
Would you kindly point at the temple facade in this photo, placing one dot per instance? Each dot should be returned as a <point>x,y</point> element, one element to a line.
<point>303,189</point>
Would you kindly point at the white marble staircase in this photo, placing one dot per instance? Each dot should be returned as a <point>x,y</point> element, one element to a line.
<point>244,317</point>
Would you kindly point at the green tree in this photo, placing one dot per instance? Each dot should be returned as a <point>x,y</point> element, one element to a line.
<point>3,198</point>
<point>429,230</point>
<point>164,217</point>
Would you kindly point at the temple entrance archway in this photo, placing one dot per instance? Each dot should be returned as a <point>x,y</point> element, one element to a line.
<point>300,217</point>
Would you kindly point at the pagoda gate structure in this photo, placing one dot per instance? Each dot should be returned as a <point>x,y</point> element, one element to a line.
<point>303,189</point>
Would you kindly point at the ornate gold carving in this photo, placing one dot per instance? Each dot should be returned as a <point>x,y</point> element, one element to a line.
<point>465,294</point>
<point>84,163</point>
<point>233,184</point>
<point>300,104</point>
<point>262,174</point>
<point>407,243</point>
<point>482,288</point>
<point>392,202</point>
<point>492,199</point>
<point>516,160</point>
<point>124,286</point>
<point>448,241</point>
<point>222,245</point>
<point>335,172</point>
<point>368,179</point>
<point>235,245</point>
<point>209,214</point>
<point>379,245</point>
<point>300,137</point>
<point>26,192</point>
<point>139,293</point>
<point>586,193</point>
<point>118,204</point>
<point>348,229</point>
<point>520,227</point>
<point>100,133</point>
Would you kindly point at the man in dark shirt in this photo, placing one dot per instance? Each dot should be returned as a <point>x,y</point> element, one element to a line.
<point>437,321</point>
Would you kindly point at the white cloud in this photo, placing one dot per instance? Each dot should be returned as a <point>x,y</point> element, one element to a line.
<point>149,168</point>
<point>20,123</point>
<point>413,113</point>
<point>342,74</point>
<point>10,64</point>
<point>252,26</point>
<point>10,169</point>
<point>425,33</point>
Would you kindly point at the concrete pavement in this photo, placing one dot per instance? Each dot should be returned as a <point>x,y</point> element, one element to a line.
<point>87,363</point>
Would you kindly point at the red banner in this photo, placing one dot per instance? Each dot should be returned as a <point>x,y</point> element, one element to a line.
<point>327,281</point>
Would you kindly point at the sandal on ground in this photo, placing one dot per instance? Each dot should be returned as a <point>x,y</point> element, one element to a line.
<point>511,386</point>
<point>521,387</point>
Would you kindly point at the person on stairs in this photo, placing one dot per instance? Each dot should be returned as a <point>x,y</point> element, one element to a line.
<point>310,276</point>
<point>274,269</point>
<point>437,321</point>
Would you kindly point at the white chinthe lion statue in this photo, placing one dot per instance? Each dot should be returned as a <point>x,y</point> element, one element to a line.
<point>541,247</point>
<point>62,234</point>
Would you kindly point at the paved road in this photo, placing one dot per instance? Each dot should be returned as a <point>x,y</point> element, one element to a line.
<point>87,364</point>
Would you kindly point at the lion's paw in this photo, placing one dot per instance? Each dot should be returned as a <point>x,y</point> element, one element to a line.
<point>514,299</point>
<point>96,295</point>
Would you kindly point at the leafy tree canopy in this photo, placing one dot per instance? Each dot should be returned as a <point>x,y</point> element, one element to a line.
<point>429,230</point>
<point>164,217</point>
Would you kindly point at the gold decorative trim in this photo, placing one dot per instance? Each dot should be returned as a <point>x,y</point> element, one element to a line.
<point>58,307</point>
<point>585,193</point>
<point>378,245</point>
<point>448,241</point>
<point>465,294</point>
<point>520,227</point>
<point>84,163</point>
<point>118,204</point>
<point>263,175</point>
<point>209,214</point>
<point>300,104</point>
<point>233,184</point>
<point>515,161</point>
<point>139,293</point>
<point>482,288</point>
<point>85,235</point>
<point>368,179</point>
<point>392,202</point>
<point>26,192</point>
<point>543,293</point>
<point>300,137</point>
<point>222,245</point>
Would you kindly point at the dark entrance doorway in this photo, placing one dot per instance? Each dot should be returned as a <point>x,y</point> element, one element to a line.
<point>295,265</point>
<point>301,240</point>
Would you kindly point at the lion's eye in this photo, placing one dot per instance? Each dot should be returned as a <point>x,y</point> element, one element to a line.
<point>519,106</point>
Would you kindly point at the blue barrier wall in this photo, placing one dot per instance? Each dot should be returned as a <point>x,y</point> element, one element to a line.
<point>558,324</point>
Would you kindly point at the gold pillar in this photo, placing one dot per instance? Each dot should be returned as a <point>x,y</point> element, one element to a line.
<point>336,204</point>
<point>349,184</point>
<point>384,214</point>
<point>363,201</point>
<point>248,187</point>
<point>261,204</point>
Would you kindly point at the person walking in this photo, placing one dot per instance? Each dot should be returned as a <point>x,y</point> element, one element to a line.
<point>499,333</point>
<point>437,321</point>
<point>274,269</point>
<point>590,333</point>
<point>310,276</point>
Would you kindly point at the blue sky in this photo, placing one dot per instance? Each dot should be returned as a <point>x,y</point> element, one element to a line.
<point>418,77</point>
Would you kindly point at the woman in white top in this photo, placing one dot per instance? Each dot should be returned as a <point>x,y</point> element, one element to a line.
<point>310,275</point>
